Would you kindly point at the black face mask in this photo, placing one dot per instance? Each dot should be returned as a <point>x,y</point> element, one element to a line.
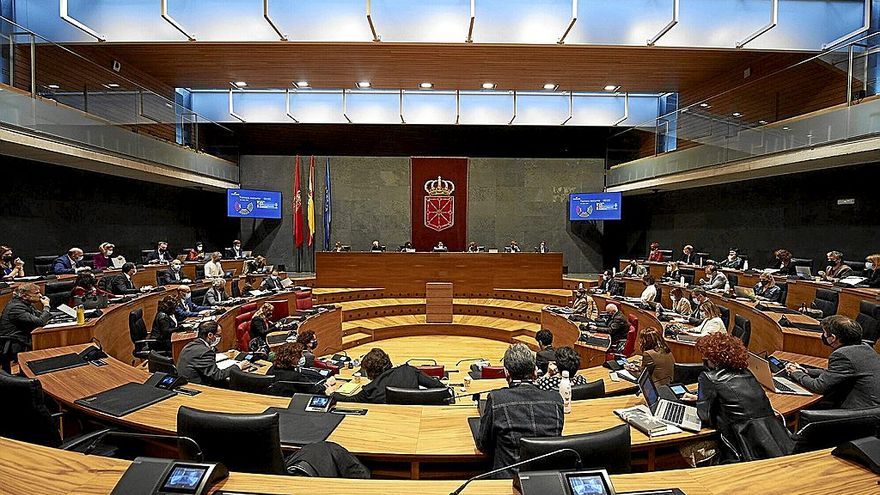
<point>313,345</point>
<point>7,258</point>
<point>825,339</point>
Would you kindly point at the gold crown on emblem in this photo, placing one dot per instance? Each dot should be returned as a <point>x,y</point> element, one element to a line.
<point>439,187</point>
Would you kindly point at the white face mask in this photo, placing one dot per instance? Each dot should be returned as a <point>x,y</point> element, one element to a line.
<point>109,252</point>
<point>869,266</point>
<point>215,342</point>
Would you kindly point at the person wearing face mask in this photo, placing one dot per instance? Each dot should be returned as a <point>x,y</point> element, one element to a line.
<point>186,308</point>
<point>11,266</point>
<point>261,326</point>
<point>173,275</point>
<point>235,251</point>
<point>256,265</point>
<point>851,379</point>
<point>216,295</point>
<point>733,261</point>
<point>872,271</point>
<point>287,366</point>
<point>197,253</point>
<point>784,265</point>
<point>20,317</point>
<point>767,290</point>
<point>673,272</point>
<point>634,269</point>
<point>102,259</point>
<point>85,287</point>
<point>160,255</point>
<point>272,281</point>
<point>72,262</point>
<point>835,270</point>
<point>309,341</point>
<point>680,304</point>
<point>197,362</point>
<point>731,400</point>
<point>164,324</point>
<point>715,279</point>
<point>655,254</point>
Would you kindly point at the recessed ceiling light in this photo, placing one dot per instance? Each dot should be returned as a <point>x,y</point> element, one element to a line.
<point>488,85</point>
<point>426,85</point>
<point>550,86</point>
<point>240,84</point>
<point>762,122</point>
<point>785,128</point>
<point>53,86</point>
<point>737,114</point>
<point>611,87</point>
<point>363,84</point>
<point>112,85</point>
<point>301,84</point>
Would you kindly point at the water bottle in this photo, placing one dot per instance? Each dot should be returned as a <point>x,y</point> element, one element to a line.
<point>80,315</point>
<point>565,392</point>
<point>746,266</point>
<point>681,281</point>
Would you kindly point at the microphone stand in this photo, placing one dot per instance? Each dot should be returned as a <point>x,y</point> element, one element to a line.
<point>458,490</point>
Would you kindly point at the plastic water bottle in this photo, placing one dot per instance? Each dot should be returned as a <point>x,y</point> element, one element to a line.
<point>565,392</point>
<point>80,315</point>
<point>746,266</point>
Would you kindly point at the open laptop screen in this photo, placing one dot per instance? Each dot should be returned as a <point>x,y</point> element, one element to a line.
<point>646,386</point>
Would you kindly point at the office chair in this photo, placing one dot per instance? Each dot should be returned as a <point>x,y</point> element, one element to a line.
<point>198,295</point>
<point>826,301</point>
<point>89,260</point>
<point>285,388</point>
<point>250,382</point>
<point>689,274</point>
<point>43,264</point>
<point>869,319</point>
<point>827,428</point>
<point>783,293</point>
<point>725,316</point>
<point>59,292</point>
<point>803,262</point>
<point>592,390</point>
<point>137,331</point>
<point>437,371</point>
<point>686,373</point>
<point>161,363</point>
<point>857,266</point>
<point>304,302</point>
<point>235,288</point>
<point>732,279</point>
<point>280,309</point>
<point>609,449</point>
<point>488,372</point>
<point>145,254</point>
<point>742,328</point>
<point>248,443</point>
<point>667,254</point>
<point>418,397</point>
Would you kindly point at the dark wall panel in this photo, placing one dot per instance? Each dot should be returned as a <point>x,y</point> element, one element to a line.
<point>48,208</point>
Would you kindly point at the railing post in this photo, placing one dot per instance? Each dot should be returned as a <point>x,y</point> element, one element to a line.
<point>33,66</point>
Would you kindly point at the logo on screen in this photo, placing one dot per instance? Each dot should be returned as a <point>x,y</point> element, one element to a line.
<point>584,212</point>
<point>439,204</point>
<point>243,208</point>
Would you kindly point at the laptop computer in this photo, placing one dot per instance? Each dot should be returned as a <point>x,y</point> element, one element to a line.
<point>229,273</point>
<point>247,254</point>
<point>672,413</point>
<point>761,369</point>
<point>117,261</point>
<point>804,271</point>
<point>744,292</point>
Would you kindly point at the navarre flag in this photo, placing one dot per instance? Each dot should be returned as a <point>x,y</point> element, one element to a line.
<point>297,208</point>
<point>327,205</point>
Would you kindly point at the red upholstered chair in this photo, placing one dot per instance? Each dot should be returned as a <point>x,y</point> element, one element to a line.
<point>280,309</point>
<point>303,300</point>
<point>492,372</point>
<point>633,321</point>
<point>436,370</point>
<point>630,346</point>
<point>243,335</point>
<point>248,308</point>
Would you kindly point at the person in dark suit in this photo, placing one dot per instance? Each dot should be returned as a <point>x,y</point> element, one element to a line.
<point>542,248</point>
<point>309,341</point>
<point>20,317</point>
<point>851,380</point>
<point>186,308</point>
<point>733,261</point>
<point>272,281</point>
<point>235,251</point>
<point>377,366</point>
<point>872,271</point>
<point>71,262</point>
<point>173,275</point>
<point>197,362</point>
<point>784,264</point>
<point>836,268</point>
<point>160,255</point>
<point>164,324</point>
<point>547,353</point>
<point>122,284</point>
<point>216,295</point>
<point>617,326</point>
<point>687,256</point>
<point>287,367</point>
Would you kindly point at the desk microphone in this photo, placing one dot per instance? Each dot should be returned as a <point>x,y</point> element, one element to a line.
<point>516,464</point>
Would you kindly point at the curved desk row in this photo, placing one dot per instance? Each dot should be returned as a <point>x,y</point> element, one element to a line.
<point>27,469</point>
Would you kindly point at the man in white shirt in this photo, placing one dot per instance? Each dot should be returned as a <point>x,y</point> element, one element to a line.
<point>213,268</point>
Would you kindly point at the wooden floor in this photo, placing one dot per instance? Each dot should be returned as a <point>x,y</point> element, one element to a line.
<point>445,349</point>
<point>482,321</point>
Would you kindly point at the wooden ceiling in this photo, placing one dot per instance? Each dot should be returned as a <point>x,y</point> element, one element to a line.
<point>455,66</point>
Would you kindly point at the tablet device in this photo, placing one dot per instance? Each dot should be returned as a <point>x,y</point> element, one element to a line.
<point>319,403</point>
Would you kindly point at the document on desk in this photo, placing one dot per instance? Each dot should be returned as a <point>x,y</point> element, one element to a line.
<point>640,418</point>
<point>228,363</point>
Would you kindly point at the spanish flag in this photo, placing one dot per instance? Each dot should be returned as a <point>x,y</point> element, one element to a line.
<point>311,203</point>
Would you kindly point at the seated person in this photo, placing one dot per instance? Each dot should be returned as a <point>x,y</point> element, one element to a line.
<point>732,401</point>
<point>309,341</point>
<point>216,295</point>
<point>655,354</point>
<point>236,252</point>
<point>707,316</point>
<point>767,290</point>
<point>634,269</point>
<point>655,254</point>
<point>513,247</point>
<point>836,269</point>
<point>213,268</point>
<point>160,255</point>
<point>164,324</point>
<point>440,247</point>
<point>197,362</point>
<point>338,248</point>
<point>102,260</point>
<point>72,262</point>
<point>583,303</point>
<point>287,364</point>
<point>651,294</point>
<point>733,261</point>
<point>473,248</point>
<point>377,367</point>
<point>521,410</point>
<point>197,253</point>
<point>688,257</point>
<point>86,287</point>
<point>851,380</point>
<point>20,317</point>
<point>256,265</point>
<point>250,285</point>
<point>375,247</point>
<point>261,326</point>
<point>546,353</point>
<point>123,284</point>
<point>673,272</point>
<point>173,275</point>
<point>784,265</point>
<point>872,271</point>
<point>715,279</point>
<point>617,326</point>
<point>186,308</point>
<point>604,281</point>
<point>542,248</point>
<point>407,247</point>
<point>680,304</point>
<point>10,266</point>
<point>567,359</point>
<point>272,281</point>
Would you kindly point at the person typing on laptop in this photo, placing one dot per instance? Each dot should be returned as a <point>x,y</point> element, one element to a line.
<point>732,401</point>
<point>767,290</point>
<point>86,286</point>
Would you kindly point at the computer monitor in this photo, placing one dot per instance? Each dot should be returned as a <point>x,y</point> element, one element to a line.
<point>804,271</point>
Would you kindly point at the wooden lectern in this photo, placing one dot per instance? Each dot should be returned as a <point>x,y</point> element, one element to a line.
<point>438,302</point>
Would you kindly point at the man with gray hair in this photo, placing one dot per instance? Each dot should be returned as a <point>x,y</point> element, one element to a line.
<point>521,410</point>
<point>617,326</point>
<point>20,318</point>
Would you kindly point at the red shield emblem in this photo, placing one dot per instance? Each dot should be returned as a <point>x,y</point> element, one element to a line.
<point>439,212</point>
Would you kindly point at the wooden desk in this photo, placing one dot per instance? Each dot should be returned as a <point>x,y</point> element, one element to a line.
<point>472,274</point>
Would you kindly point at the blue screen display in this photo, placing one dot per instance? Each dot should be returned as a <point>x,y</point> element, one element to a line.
<point>594,206</point>
<point>247,203</point>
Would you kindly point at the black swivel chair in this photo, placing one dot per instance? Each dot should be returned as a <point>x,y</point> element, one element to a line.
<point>285,388</point>
<point>250,382</point>
<point>43,264</point>
<point>145,254</point>
<point>137,330</point>
<point>200,272</point>
<point>869,319</point>
<point>686,372</point>
<point>667,254</point>
<point>413,397</point>
<point>858,267</point>
<point>609,449</point>
<point>161,363</point>
<point>592,390</point>
<point>803,262</point>
<point>732,279</point>
<point>619,289</point>
<point>725,316</point>
<point>827,428</point>
<point>742,328</point>
<point>89,260</point>
<point>236,289</point>
<point>198,295</point>
<point>783,293</point>
<point>249,443</point>
<point>826,301</point>
<point>59,292</point>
